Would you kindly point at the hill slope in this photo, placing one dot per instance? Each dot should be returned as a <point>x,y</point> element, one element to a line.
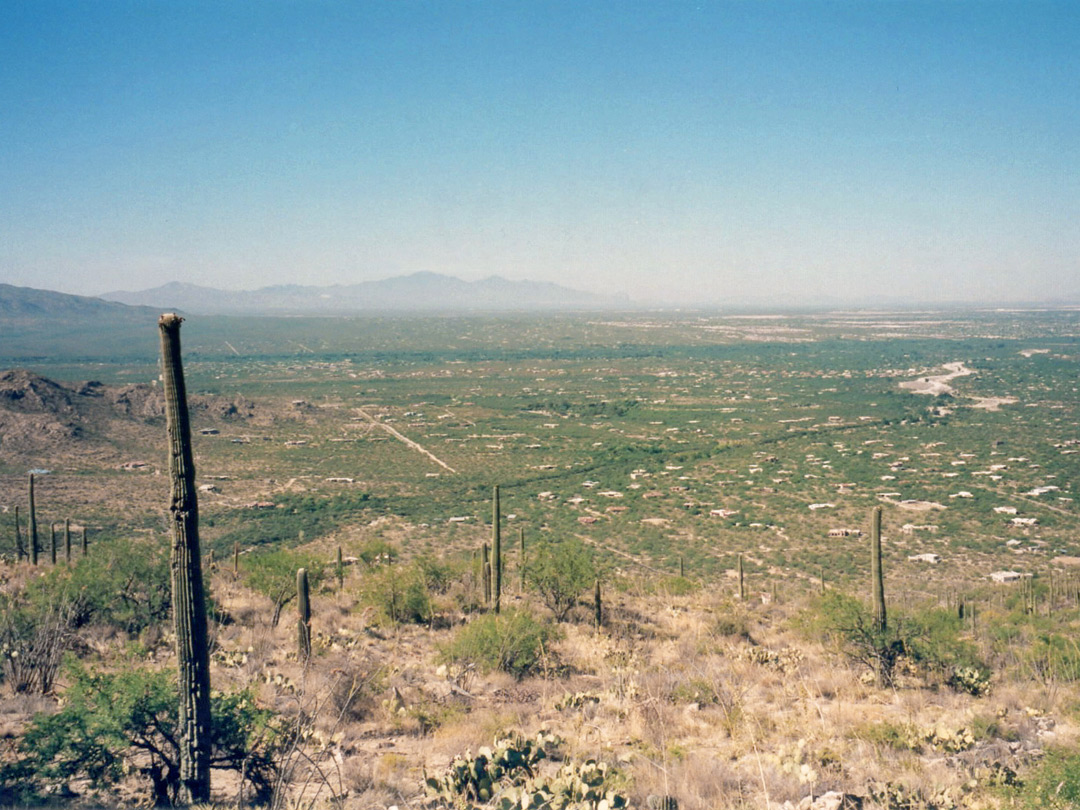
<point>25,304</point>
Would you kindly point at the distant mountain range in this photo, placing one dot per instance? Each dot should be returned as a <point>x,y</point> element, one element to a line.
<point>412,293</point>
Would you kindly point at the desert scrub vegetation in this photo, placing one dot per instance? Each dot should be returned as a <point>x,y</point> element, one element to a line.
<point>112,725</point>
<point>716,702</point>
<point>123,587</point>
<point>513,641</point>
<point>560,572</point>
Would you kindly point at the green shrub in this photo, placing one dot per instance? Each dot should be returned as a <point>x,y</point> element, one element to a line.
<point>123,583</point>
<point>1054,784</point>
<point>676,586</point>
<point>560,572</point>
<point>111,725</point>
<point>512,641</point>
<point>273,574</point>
<point>930,638</point>
<point>399,593</point>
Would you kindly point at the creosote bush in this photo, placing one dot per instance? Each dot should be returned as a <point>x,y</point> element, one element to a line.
<point>513,641</point>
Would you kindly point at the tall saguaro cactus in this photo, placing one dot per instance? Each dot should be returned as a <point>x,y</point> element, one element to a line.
<point>598,606</point>
<point>880,622</point>
<point>485,573</point>
<point>189,601</point>
<point>521,558</point>
<point>742,582</point>
<point>20,552</point>
<point>303,621</point>
<point>31,529</point>
<point>496,550</point>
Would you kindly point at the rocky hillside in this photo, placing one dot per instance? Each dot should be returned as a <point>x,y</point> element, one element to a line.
<point>40,417</point>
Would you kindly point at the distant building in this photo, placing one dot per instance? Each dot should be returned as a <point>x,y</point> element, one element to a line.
<point>933,559</point>
<point>1006,576</point>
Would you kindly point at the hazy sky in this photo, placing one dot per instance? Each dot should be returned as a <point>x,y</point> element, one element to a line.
<point>707,151</point>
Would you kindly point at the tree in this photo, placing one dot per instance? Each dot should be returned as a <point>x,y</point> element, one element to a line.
<point>561,572</point>
<point>128,722</point>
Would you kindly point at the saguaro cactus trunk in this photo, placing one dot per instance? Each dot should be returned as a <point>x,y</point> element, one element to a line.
<point>880,622</point>
<point>742,582</point>
<point>496,550</point>
<point>303,621</point>
<point>20,552</point>
<point>31,529</point>
<point>485,573</point>
<point>189,601</point>
<point>521,559</point>
<point>598,606</point>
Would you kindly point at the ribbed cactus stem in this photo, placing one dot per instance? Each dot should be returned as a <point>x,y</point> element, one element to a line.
<point>521,558</point>
<point>485,573</point>
<point>682,568</point>
<point>67,539</point>
<point>52,543</point>
<point>742,582</point>
<point>340,571</point>
<point>598,608</point>
<point>20,551</point>
<point>235,560</point>
<point>303,623</point>
<point>880,620</point>
<point>31,530</point>
<point>189,602</point>
<point>496,550</point>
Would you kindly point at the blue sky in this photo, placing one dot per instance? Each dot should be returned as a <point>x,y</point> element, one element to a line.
<point>711,152</point>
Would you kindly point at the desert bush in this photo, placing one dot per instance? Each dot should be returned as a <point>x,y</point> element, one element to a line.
<point>111,725</point>
<point>36,630</point>
<point>377,551</point>
<point>512,641</point>
<point>848,623</point>
<point>123,584</point>
<point>560,572</point>
<point>399,593</point>
<point>273,574</point>
<point>929,638</point>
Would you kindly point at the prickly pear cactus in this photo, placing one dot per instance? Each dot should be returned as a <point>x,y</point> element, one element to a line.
<point>505,777</point>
